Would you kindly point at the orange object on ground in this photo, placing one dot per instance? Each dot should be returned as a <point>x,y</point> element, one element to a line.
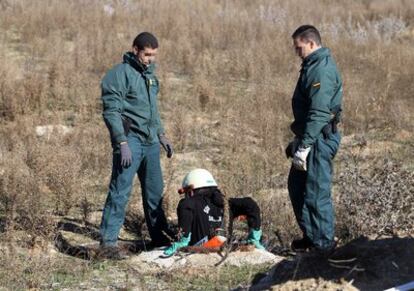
<point>215,242</point>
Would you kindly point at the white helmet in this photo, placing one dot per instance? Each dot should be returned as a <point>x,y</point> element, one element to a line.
<point>199,178</point>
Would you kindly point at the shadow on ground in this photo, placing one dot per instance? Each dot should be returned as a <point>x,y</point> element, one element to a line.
<point>369,264</point>
<point>81,240</point>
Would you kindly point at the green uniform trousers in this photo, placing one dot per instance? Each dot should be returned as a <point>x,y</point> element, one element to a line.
<point>310,192</point>
<point>145,164</point>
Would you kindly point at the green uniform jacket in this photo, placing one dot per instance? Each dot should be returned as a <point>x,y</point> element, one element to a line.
<point>129,90</point>
<point>318,95</point>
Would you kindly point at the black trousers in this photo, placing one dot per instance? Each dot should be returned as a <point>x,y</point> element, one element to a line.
<point>246,206</point>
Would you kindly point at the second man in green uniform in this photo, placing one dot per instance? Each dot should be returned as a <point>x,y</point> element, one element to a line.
<point>316,105</point>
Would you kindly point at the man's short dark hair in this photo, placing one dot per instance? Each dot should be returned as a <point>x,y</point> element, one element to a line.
<point>145,39</point>
<point>308,32</point>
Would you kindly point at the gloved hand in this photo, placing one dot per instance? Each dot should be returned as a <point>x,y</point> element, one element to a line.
<point>182,243</point>
<point>254,238</point>
<point>126,155</point>
<point>166,145</point>
<point>291,148</point>
<point>299,158</point>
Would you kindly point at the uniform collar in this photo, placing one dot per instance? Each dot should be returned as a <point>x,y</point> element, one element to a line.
<point>316,55</point>
<point>130,59</point>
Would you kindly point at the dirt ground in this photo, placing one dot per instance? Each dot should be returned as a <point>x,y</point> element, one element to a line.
<point>363,264</point>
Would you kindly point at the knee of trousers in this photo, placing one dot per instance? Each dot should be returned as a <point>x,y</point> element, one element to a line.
<point>118,200</point>
<point>154,198</point>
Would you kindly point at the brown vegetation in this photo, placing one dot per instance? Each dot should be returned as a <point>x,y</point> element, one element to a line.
<point>227,72</point>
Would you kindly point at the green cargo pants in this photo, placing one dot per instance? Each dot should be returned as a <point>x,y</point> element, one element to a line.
<point>310,192</point>
<point>145,164</point>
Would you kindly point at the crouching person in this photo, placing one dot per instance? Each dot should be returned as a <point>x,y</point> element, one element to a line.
<point>201,210</point>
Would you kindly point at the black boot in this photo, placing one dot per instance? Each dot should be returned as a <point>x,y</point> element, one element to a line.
<point>326,251</point>
<point>301,245</point>
<point>168,235</point>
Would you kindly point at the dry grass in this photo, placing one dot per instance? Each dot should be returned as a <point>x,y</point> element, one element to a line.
<point>227,73</point>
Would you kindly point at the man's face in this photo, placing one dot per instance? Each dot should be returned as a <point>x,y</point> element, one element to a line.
<point>303,47</point>
<point>145,56</point>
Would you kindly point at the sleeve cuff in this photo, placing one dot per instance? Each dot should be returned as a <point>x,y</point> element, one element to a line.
<point>120,138</point>
<point>305,144</point>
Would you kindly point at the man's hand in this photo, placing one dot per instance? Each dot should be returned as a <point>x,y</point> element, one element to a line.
<point>299,158</point>
<point>291,148</point>
<point>126,155</point>
<point>166,145</point>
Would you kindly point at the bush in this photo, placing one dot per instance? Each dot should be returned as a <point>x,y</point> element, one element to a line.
<point>376,201</point>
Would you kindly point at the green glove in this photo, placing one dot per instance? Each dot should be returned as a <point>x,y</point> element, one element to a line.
<point>254,238</point>
<point>182,243</point>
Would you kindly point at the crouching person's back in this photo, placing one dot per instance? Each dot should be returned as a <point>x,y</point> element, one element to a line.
<point>201,211</point>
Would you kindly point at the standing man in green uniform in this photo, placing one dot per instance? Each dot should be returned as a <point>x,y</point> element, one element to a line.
<point>316,105</point>
<point>130,111</point>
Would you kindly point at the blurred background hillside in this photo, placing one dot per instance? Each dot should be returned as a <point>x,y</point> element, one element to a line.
<point>227,71</point>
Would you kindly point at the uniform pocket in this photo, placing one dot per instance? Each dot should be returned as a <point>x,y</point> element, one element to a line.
<point>330,145</point>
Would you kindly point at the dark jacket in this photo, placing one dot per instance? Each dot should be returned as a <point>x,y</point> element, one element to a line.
<point>202,213</point>
<point>317,96</point>
<point>129,92</point>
